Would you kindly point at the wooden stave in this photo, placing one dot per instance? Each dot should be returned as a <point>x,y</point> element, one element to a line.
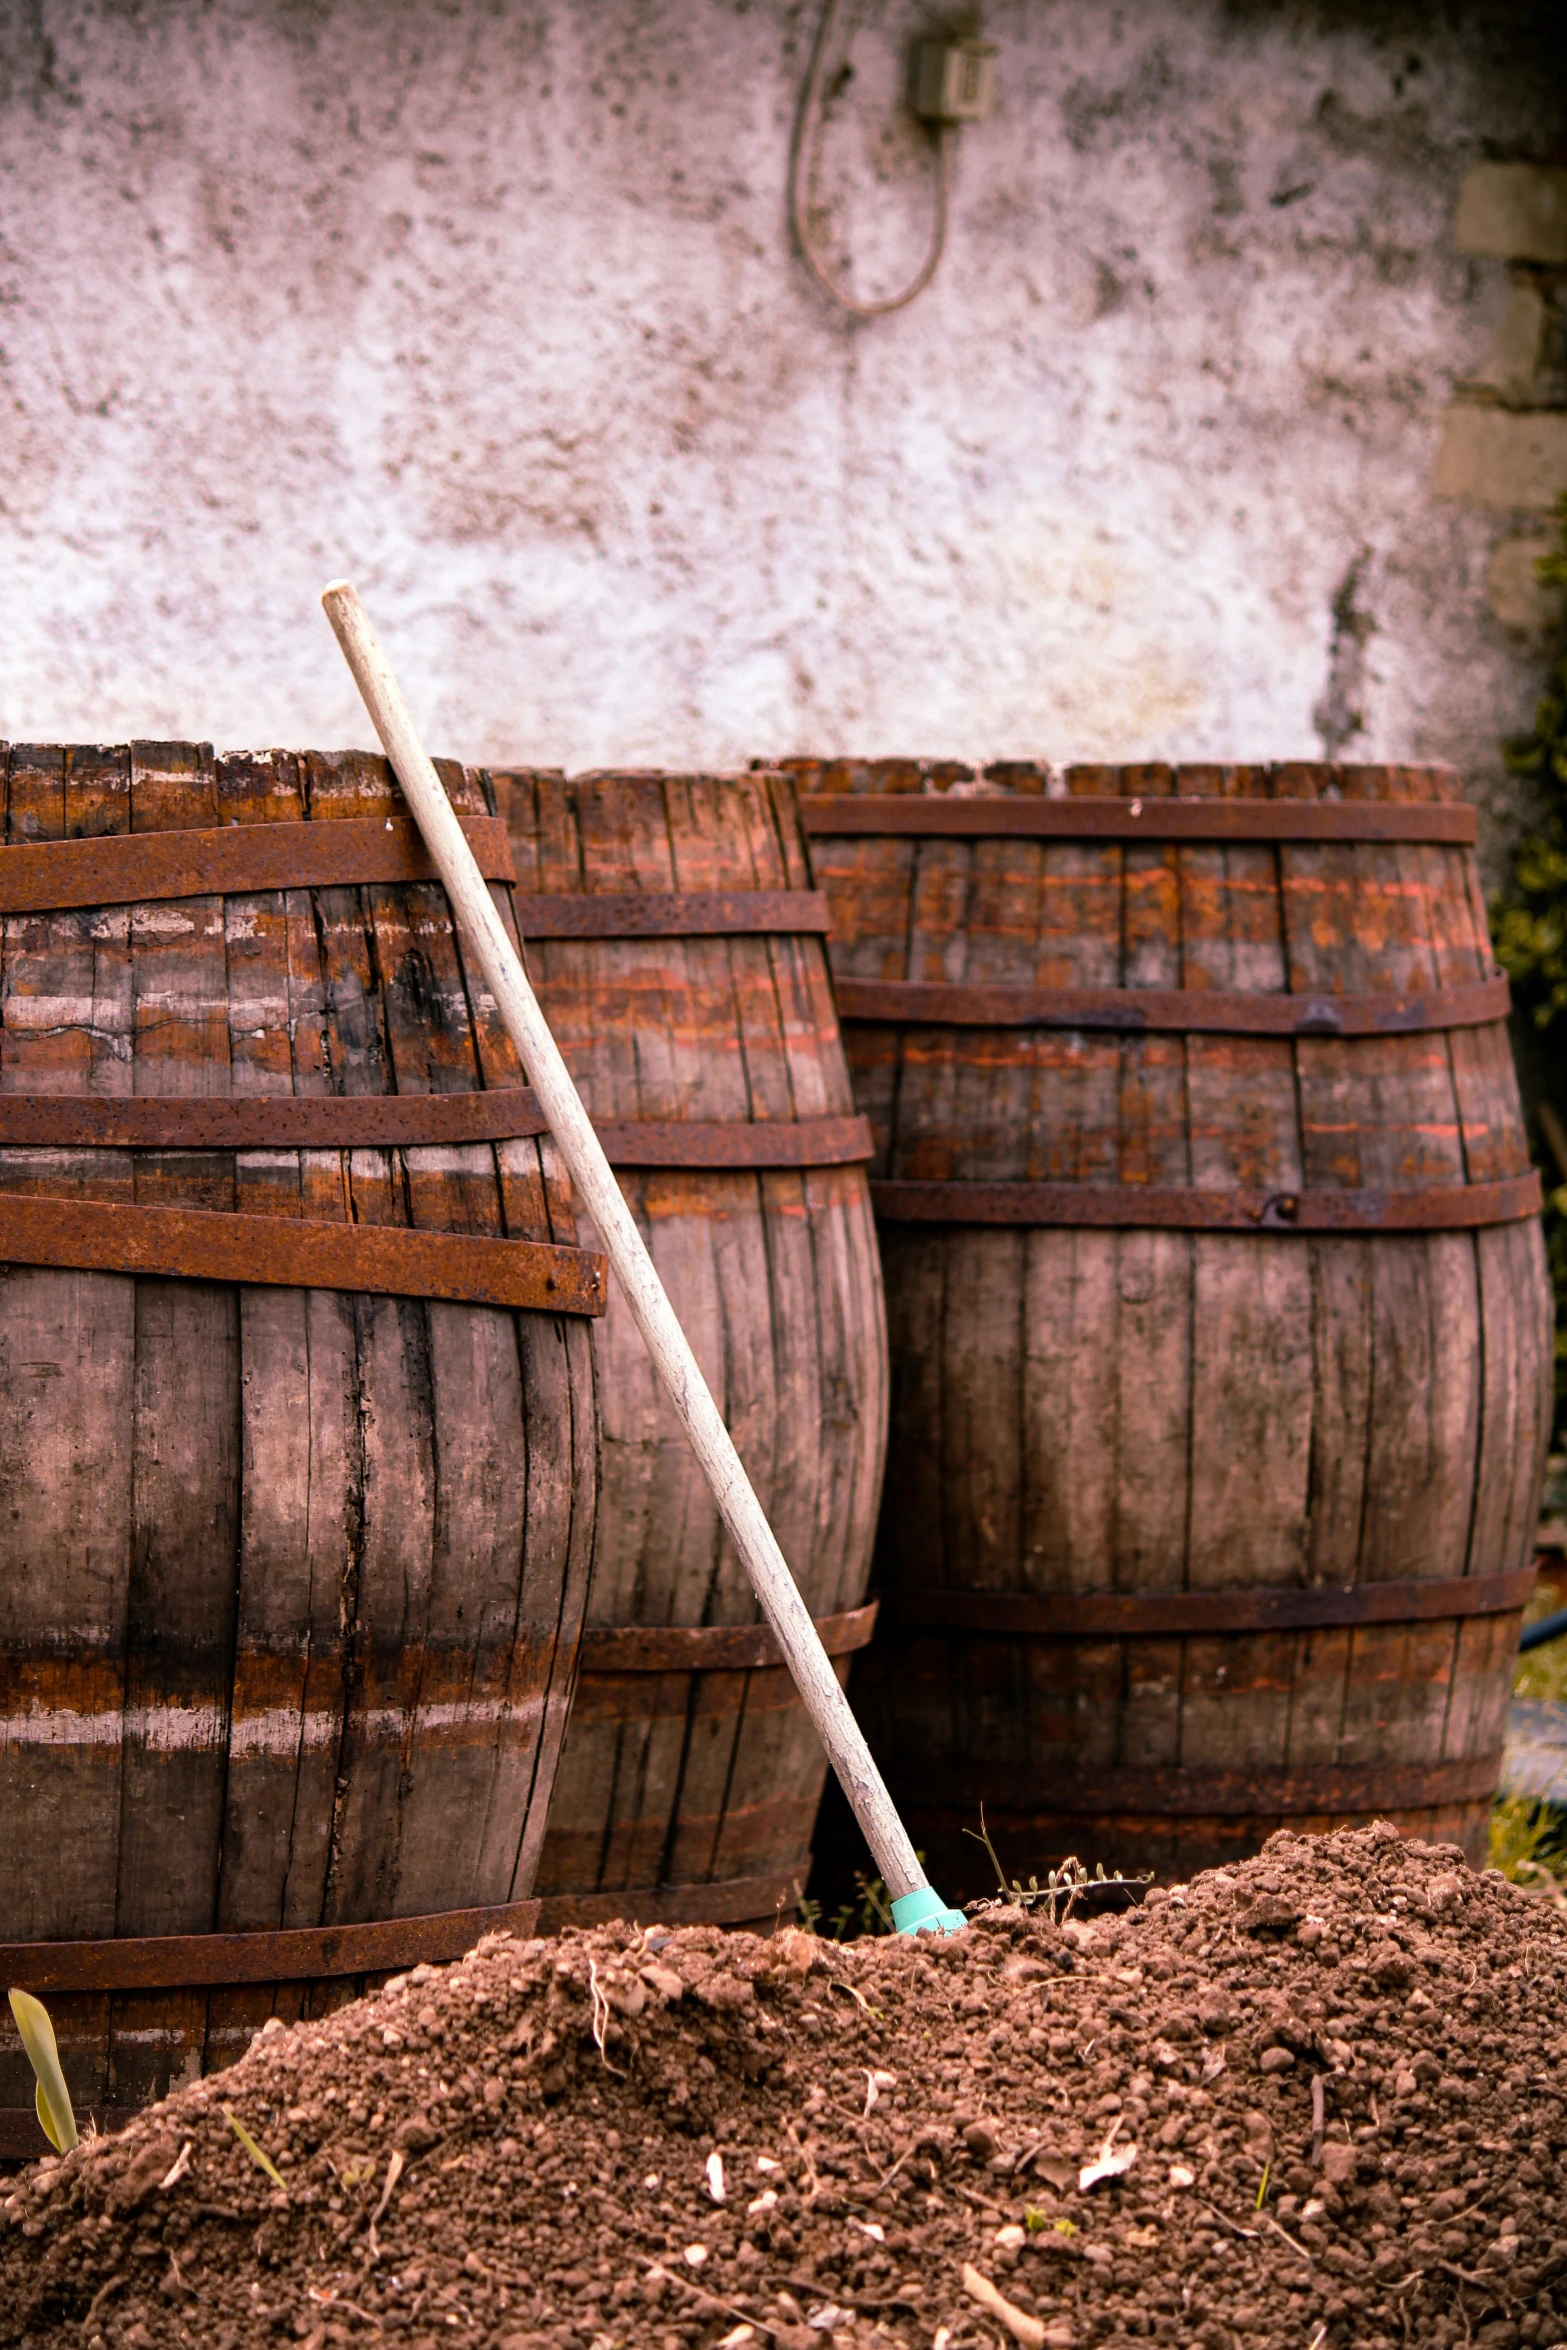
<point>868,890</point>
<point>247,966</point>
<point>695,1743</point>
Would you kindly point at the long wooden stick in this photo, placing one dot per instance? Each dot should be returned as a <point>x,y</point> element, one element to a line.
<point>915,1907</point>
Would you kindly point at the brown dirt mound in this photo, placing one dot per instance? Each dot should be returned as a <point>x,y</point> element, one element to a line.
<point>1341,2066</point>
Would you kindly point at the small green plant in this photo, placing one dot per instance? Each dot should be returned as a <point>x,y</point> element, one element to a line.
<point>1543,1672</point>
<point>875,1908</point>
<point>1526,1838</point>
<point>871,1914</point>
<point>258,2154</point>
<point>1525,1842</point>
<point>51,2098</point>
<point>1065,1885</point>
<point>1262,2184</point>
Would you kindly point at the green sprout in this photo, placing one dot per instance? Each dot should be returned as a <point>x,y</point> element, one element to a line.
<point>1262,2189</point>
<point>52,2098</point>
<point>870,1915</point>
<point>258,2154</point>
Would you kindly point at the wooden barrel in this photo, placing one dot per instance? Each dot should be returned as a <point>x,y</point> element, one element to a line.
<point>296,1409</point>
<point>1220,1329</point>
<point>677,948</point>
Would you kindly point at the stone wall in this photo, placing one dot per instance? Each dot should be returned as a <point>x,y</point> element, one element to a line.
<point>1224,431</point>
<point>1504,439</point>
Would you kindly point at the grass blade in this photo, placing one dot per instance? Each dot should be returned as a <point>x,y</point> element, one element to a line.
<point>258,2154</point>
<point>53,2099</point>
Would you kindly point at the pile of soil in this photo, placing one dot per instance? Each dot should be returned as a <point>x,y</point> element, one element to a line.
<point>1319,2099</point>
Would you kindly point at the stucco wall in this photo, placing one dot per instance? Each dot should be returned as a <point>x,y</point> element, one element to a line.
<point>493,306</point>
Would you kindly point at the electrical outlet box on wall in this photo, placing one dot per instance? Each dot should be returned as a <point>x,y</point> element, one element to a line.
<point>953,81</point>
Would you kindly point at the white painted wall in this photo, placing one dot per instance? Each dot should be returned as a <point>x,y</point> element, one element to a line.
<point>493,306</point>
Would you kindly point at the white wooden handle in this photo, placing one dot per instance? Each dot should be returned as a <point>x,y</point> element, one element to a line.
<point>601,1195</point>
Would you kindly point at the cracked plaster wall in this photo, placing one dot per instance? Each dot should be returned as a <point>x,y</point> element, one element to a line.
<point>492,305</point>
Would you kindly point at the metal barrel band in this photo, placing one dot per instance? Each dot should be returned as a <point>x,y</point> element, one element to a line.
<point>1112,1207</point>
<point>202,1244</point>
<point>409,1122</point>
<point>710,1648</point>
<point>1086,816</point>
<point>170,1962</point>
<point>701,913</point>
<point>1141,1011</point>
<point>1154,1614</point>
<point>177,1962</point>
<point>199,1122</point>
<point>305,1954</point>
<point>1035,1791</point>
<point>130,868</point>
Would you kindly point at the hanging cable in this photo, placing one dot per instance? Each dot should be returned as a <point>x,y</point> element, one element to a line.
<point>799,161</point>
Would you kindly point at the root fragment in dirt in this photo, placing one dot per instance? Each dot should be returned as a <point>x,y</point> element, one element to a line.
<point>520,2151</point>
<point>1025,2329</point>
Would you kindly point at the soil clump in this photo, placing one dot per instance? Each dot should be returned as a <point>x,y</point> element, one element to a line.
<point>1316,2100</point>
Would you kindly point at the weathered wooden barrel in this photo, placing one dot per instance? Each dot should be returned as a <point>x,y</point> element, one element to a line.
<point>1219,1322</point>
<point>296,1409</point>
<point>677,949</point>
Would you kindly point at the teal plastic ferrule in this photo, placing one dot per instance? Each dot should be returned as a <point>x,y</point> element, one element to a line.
<point>924,1912</point>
